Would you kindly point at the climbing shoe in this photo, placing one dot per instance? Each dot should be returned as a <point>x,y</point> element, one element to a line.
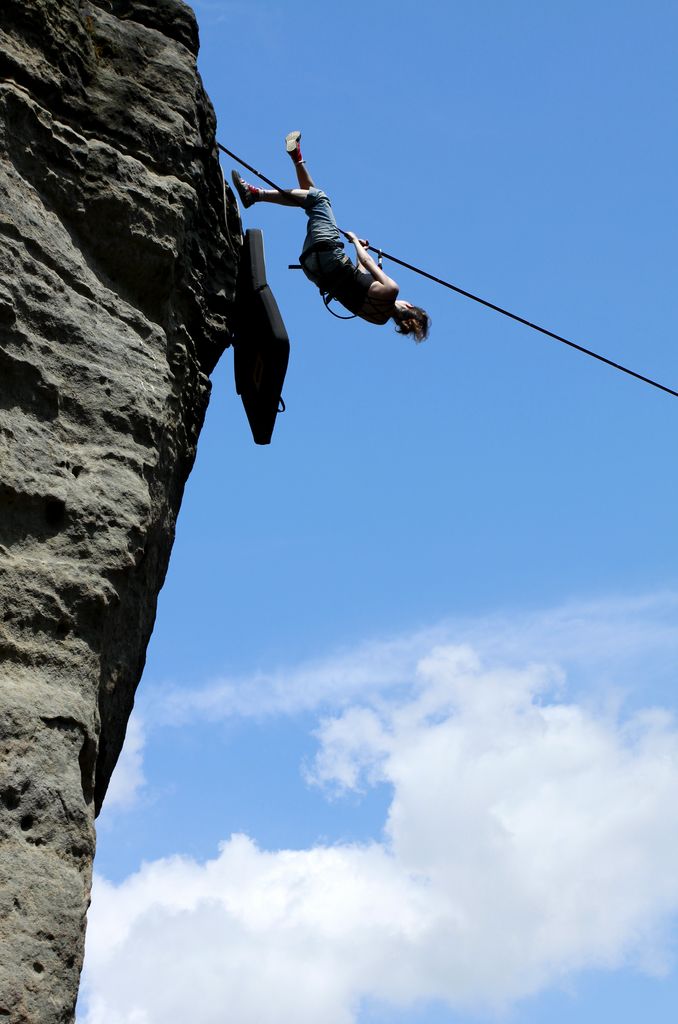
<point>293,146</point>
<point>248,193</point>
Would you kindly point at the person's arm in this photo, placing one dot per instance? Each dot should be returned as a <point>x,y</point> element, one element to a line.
<point>389,289</point>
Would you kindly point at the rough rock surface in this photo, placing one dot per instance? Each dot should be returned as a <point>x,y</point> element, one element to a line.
<point>116,284</point>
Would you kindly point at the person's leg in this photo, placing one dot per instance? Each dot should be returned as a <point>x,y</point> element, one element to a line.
<point>303,177</point>
<point>251,194</point>
<point>291,197</point>
<point>293,147</point>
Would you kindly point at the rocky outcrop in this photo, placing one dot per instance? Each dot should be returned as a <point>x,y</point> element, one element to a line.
<point>116,284</point>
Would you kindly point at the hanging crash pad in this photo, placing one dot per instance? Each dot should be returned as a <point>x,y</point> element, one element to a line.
<point>260,343</point>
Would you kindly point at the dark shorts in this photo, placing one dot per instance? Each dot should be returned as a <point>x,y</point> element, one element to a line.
<point>328,267</point>
<point>322,227</point>
<point>333,273</point>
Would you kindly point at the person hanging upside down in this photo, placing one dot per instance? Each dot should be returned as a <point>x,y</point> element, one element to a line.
<point>362,287</point>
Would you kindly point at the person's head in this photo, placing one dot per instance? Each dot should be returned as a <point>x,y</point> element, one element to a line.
<point>411,320</point>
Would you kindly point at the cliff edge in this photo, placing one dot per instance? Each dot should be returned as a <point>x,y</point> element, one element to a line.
<point>116,286</point>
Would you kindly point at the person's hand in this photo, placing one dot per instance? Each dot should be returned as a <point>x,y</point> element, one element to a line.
<point>352,237</point>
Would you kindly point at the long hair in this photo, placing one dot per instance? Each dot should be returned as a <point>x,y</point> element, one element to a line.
<point>415,321</point>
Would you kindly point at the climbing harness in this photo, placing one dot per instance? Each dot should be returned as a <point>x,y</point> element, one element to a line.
<point>476,298</point>
<point>327,283</point>
<point>327,298</point>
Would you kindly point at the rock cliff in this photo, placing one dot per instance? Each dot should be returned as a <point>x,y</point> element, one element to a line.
<point>116,285</point>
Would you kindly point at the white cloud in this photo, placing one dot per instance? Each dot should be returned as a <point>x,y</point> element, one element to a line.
<point>128,776</point>
<point>250,936</point>
<point>528,837</point>
<point>371,668</point>
<point>609,641</point>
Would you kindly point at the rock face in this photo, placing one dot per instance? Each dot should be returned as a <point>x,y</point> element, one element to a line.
<point>116,285</point>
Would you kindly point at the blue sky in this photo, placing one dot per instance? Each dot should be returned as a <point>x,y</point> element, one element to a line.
<point>405,749</point>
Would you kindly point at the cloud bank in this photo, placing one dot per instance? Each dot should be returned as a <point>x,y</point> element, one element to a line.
<point>529,836</point>
<point>607,642</point>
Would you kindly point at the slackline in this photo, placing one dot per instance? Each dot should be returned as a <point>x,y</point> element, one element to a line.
<point>477,298</point>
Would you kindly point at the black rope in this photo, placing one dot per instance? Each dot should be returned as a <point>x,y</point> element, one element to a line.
<point>529,323</point>
<point>477,298</point>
